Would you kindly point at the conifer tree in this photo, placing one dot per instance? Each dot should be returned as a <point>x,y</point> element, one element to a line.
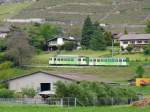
<point>87,32</point>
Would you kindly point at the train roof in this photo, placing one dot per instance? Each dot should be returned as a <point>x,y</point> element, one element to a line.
<point>74,56</point>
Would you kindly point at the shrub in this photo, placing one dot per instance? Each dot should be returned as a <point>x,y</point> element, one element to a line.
<point>139,71</point>
<point>91,93</point>
<point>69,46</point>
<point>129,48</point>
<point>147,50</point>
<point>29,92</point>
<point>5,93</point>
<point>6,65</point>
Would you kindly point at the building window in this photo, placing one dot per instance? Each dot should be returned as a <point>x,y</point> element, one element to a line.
<point>139,41</point>
<point>45,86</point>
<point>145,41</point>
<point>132,42</point>
<point>125,42</point>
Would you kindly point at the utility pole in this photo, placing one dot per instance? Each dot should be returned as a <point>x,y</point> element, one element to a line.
<point>112,47</point>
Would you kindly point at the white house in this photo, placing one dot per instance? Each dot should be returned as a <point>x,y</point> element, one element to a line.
<point>4,32</point>
<point>138,41</point>
<point>59,41</point>
<point>44,82</point>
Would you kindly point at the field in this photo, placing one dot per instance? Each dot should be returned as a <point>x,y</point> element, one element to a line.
<point>118,14</point>
<point>28,108</point>
<point>9,10</point>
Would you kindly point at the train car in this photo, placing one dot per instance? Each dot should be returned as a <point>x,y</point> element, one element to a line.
<point>69,60</point>
<point>108,61</point>
<point>86,61</point>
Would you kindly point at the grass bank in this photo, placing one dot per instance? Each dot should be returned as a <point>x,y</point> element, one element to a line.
<point>31,108</point>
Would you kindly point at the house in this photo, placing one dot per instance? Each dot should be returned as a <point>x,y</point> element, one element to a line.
<point>138,41</point>
<point>4,32</point>
<point>57,41</point>
<point>44,82</point>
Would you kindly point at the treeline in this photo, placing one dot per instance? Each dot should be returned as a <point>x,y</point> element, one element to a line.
<point>92,93</point>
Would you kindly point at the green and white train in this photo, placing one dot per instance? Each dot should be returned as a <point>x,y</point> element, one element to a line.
<point>72,60</point>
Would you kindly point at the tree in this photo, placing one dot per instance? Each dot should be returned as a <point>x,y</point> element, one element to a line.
<point>125,31</point>
<point>87,32</point>
<point>129,48</point>
<point>40,34</point>
<point>140,71</point>
<point>97,41</point>
<point>108,38</point>
<point>147,50</point>
<point>147,29</point>
<point>18,48</point>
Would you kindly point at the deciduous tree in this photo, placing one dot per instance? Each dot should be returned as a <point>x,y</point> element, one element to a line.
<point>18,48</point>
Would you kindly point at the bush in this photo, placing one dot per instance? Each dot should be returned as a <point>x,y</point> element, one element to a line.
<point>129,48</point>
<point>5,93</point>
<point>29,92</point>
<point>2,45</point>
<point>89,93</point>
<point>147,50</point>
<point>69,46</point>
<point>6,65</point>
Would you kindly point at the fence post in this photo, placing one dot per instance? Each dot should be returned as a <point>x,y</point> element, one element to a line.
<point>61,101</point>
<point>112,101</point>
<point>75,102</point>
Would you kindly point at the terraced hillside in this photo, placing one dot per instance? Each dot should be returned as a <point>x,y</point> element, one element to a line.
<point>118,13</point>
<point>9,10</point>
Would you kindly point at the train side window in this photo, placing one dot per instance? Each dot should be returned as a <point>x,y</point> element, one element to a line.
<point>91,60</point>
<point>79,59</point>
<point>94,60</point>
<point>65,59</point>
<point>58,59</point>
<point>84,59</point>
<point>61,59</point>
<point>120,60</point>
<point>54,59</point>
<point>98,60</point>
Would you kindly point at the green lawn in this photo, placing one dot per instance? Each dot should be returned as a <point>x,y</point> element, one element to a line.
<point>28,108</point>
<point>143,90</point>
<point>10,10</point>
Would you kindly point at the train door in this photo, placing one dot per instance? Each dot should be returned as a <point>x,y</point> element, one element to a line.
<point>87,60</point>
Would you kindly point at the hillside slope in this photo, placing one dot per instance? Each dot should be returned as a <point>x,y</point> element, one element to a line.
<point>9,10</point>
<point>118,13</point>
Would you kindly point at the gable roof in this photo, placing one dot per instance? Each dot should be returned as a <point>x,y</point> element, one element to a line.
<point>26,75</point>
<point>66,38</point>
<point>135,37</point>
<point>68,76</point>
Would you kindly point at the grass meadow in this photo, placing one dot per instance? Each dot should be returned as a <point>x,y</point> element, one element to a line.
<point>42,108</point>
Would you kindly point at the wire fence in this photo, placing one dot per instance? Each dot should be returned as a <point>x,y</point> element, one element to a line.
<point>68,101</point>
